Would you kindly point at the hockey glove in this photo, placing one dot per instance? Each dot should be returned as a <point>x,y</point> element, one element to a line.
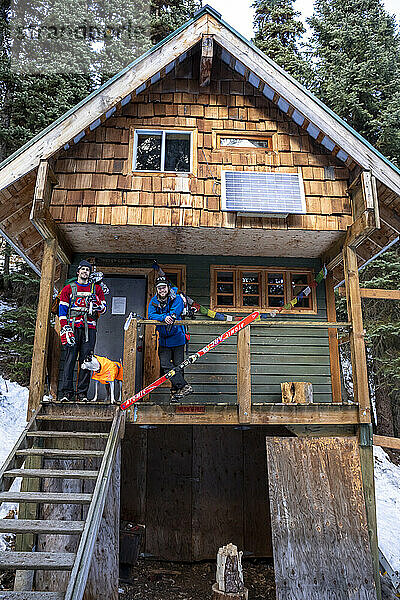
<point>67,336</point>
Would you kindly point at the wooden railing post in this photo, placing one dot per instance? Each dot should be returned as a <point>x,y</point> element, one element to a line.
<point>361,395</point>
<point>244,375</point>
<point>40,344</point>
<point>357,344</point>
<point>130,342</point>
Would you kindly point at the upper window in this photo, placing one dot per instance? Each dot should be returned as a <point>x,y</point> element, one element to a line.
<point>164,151</point>
<point>240,288</point>
<point>240,140</point>
<point>244,142</point>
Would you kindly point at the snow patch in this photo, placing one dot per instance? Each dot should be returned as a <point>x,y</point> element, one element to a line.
<point>13,408</point>
<point>387,490</point>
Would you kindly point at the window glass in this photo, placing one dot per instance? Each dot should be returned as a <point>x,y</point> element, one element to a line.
<point>251,289</point>
<point>177,152</point>
<point>299,282</point>
<point>275,289</point>
<point>148,155</point>
<point>225,288</point>
<point>241,142</point>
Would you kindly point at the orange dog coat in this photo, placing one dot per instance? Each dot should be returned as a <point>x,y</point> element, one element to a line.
<point>109,370</point>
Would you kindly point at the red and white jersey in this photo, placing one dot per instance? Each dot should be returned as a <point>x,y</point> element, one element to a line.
<point>80,305</point>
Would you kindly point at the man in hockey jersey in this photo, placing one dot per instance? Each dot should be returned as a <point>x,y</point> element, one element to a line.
<point>81,303</point>
<point>167,306</point>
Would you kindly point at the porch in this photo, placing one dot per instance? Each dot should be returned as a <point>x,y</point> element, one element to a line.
<point>239,381</point>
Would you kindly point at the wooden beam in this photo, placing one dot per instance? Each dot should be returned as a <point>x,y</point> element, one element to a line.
<point>333,341</point>
<point>378,294</point>
<point>367,470</point>
<point>207,51</point>
<point>386,441</point>
<point>129,361</point>
<point>357,344</point>
<point>244,375</point>
<point>356,234</point>
<point>40,344</point>
<point>147,413</point>
<point>40,215</point>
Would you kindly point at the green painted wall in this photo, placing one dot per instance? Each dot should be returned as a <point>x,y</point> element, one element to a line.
<point>277,354</point>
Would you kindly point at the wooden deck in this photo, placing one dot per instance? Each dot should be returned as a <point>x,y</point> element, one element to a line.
<point>148,413</point>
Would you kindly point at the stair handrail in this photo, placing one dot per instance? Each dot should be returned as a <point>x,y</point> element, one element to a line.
<point>80,571</point>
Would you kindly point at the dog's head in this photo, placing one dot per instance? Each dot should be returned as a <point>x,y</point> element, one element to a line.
<point>91,363</point>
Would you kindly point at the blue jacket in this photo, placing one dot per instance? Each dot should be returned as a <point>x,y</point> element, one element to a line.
<point>174,306</point>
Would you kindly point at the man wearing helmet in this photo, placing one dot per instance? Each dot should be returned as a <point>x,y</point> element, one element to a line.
<point>167,306</point>
<point>81,303</point>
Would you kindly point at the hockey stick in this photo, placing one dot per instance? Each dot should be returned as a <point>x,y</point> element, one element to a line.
<point>191,359</point>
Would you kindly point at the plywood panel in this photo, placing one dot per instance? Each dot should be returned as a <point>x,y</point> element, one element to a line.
<point>319,529</point>
<point>217,503</point>
<point>168,499</point>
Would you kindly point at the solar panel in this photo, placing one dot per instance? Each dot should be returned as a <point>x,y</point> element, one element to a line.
<point>271,193</point>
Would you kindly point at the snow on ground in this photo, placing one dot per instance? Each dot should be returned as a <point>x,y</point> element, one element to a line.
<point>387,489</point>
<point>13,407</point>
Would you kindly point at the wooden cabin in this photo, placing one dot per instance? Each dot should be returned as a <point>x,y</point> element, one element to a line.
<point>149,167</point>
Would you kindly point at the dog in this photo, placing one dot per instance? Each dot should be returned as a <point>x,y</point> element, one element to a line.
<point>105,371</point>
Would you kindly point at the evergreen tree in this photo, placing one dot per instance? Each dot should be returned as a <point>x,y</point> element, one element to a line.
<point>168,15</point>
<point>278,33</point>
<point>357,53</point>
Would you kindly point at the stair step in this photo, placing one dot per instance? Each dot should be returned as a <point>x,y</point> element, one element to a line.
<point>31,596</point>
<point>69,418</point>
<point>69,434</point>
<point>54,473</point>
<point>45,561</point>
<point>45,498</point>
<point>56,453</point>
<point>39,526</point>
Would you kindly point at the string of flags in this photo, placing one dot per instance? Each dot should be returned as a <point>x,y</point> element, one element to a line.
<point>218,316</point>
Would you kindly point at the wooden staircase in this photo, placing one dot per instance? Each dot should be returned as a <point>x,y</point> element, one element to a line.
<point>56,436</point>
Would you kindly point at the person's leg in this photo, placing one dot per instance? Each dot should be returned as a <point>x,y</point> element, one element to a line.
<point>67,384</point>
<point>178,355</point>
<point>166,362</point>
<point>85,348</point>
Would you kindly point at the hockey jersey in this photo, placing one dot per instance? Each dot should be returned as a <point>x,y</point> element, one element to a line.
<point>80,305</point>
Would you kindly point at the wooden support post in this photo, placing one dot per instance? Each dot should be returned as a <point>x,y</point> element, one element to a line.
<point>333,341</point>
<point>129,364</point>
<point>367,470</point>
<point>40,344</point>
<point>357,345</point>
<point>244,375</point>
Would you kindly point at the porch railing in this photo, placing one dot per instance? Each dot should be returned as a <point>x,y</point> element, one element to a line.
<point>244,393</point>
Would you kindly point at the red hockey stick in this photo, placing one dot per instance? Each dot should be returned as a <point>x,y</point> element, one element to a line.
<point>191,359</point>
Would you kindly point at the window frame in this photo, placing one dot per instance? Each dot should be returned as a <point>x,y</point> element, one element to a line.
<point>133,145</point>
<point>238,306</point>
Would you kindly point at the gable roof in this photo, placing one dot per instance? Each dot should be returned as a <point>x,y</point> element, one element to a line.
<point>290,96</point>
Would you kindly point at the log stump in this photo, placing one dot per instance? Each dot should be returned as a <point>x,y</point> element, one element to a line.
<point>218,595</point>
<point>297,392</point>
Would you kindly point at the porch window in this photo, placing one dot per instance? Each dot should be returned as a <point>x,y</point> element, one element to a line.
<point>244,288</point>
<point>164,151</point>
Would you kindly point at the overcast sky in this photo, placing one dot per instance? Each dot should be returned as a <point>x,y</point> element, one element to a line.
<point>239,14</point>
